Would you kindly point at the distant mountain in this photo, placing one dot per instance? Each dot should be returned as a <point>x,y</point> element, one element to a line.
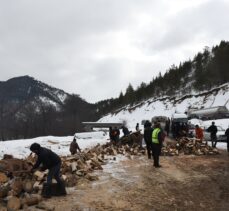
<point>19,91</point>
<point>30,108</point>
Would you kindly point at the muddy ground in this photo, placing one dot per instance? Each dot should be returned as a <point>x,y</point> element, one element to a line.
<point>183,183</point>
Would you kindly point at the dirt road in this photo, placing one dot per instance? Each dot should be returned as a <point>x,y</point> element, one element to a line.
<point>183,183</point>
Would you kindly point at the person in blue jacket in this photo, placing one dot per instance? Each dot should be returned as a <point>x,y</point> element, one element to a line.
<point>50,161</point>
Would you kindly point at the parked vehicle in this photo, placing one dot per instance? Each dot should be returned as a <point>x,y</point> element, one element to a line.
<point>217,112</point>
<point>179,125</point>
<point>221,137</point>
<point>161,119</point>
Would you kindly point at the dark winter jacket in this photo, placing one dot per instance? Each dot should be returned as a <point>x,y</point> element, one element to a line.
<point>148,135</point>
<point>213,130</point>
<point>47,158</point>
<point>227,133</point>
<point>74,147</point>
<point>125,131</point>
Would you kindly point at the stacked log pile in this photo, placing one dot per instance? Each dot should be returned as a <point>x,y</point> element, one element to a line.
<point>188,146</point>
<point>20,188</point>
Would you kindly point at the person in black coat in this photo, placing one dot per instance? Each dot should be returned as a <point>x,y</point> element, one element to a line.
<point>137,127</point>
<point>125,131</point>
<point>167,126</point>
<point>50,161</point>
<point>213,130</point>
<point>74,147</point>
<point>227,134</point>
<point>148,138</point>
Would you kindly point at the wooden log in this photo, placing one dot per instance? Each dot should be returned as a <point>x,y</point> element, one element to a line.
<point>37,186</point>
<point>40,175</point>
<point>28,186</point>
<point>74,166</point>
<point>17,187</point>
<point>32,200</point>
<point>3,208</point>
<point>4,191</point>
<point>14,203</point>
<point>3,178</point>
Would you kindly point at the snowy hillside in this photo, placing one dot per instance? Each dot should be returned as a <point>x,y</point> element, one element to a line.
<point>60,145</point>
<point>166,106</point>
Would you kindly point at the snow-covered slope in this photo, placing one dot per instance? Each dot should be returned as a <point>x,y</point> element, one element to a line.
<point>60,145</point>
<point>166,106</point>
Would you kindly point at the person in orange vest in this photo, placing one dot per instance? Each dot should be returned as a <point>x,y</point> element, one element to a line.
<point>199,133</point>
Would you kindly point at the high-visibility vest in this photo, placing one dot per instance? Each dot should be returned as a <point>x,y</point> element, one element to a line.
<point>155,133</point>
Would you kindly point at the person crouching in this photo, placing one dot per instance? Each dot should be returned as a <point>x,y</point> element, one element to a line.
<point>50,161</point>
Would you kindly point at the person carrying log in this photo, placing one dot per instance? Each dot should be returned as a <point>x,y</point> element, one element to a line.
<point>50,161</point>
<point>74,147</point>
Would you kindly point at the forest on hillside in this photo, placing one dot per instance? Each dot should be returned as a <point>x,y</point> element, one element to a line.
<point>208,69</point>
<point>23,113</point>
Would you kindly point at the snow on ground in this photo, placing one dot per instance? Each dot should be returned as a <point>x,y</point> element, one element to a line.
<point>131,115</point>
<point>60,145</point>
<point>167,107</point>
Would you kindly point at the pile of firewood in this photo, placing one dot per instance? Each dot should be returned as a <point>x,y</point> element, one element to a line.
<point>188,146</point>
<point>19,187</point>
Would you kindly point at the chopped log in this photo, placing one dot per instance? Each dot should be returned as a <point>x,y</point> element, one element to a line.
<point>37,186</point>
<point>3,178</point>
<point>4,191</point>
<point>3,208</point>
<point>14,203</point>
<point>17,187</point>
<point>28,186</point>
<point>74,166</point>
<point>32,200</point>
<point>40,175</point>
<point>64,177</point>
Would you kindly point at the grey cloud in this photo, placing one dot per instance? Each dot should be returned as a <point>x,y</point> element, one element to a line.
<point>72,44</point>
<point>207,21</point>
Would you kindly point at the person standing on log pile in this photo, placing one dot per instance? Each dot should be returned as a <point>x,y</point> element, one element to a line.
<point>157,139</point>
<point>137,127</point>
<point>125,131</point>
<point>227,134</point>
<point>74,147</point>
<point>148,137</point>
<point>50,161</point>
<point>199,133</point>
<point>111,134</point>
<point>116,134</point>
<point>213,130</point>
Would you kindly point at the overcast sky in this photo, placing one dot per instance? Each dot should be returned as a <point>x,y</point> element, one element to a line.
<point>95,48</point>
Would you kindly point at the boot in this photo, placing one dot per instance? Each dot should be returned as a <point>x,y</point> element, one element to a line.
<point>62,188</point>
<point>46,191</point>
